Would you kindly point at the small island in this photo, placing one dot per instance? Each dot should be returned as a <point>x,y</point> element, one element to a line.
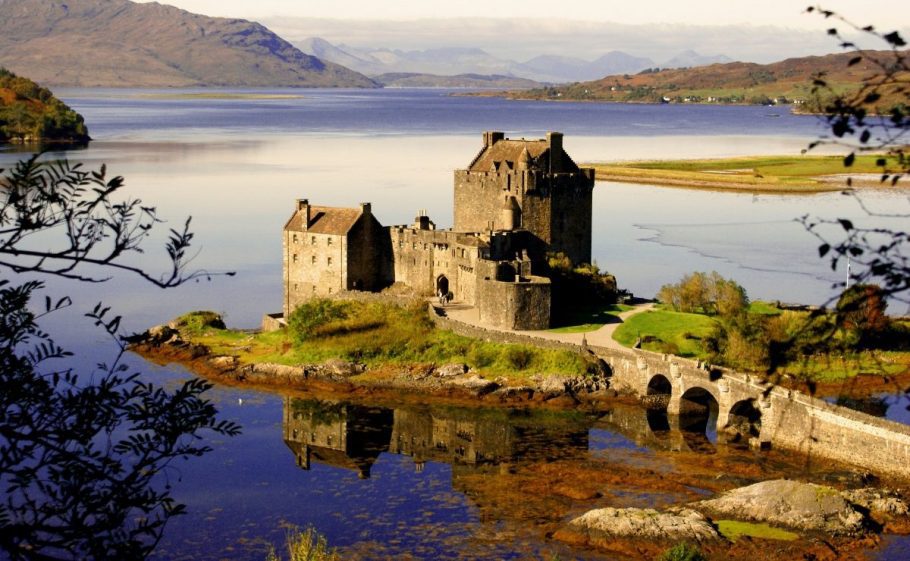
<point>30,114</point>
<point>754,174</point>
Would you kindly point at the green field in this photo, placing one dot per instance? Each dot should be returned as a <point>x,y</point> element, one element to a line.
<point>591,320</point>
<point>665,331</point>
<point>792,174</point>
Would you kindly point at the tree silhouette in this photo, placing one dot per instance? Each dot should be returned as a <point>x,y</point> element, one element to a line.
<point>876,118</point>
<point>84,456</point>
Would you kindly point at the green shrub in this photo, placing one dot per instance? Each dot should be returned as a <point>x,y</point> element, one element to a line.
<point>197,321</point>
<point>482,356</point>
<point>519,357</point>
<point>682,552</point>
<point>304,321</point>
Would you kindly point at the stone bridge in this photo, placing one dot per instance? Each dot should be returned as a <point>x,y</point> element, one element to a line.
<point>696,398</point>
<point>687,400</point>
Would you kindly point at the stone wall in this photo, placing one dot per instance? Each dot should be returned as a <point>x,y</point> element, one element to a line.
<point>369,255</point>
<point>314,265</point>
<point>523,305</point>
<point>496,336</point>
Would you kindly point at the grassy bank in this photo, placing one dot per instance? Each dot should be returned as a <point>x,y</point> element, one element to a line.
<point>383,334</point>
<point>783,174</point>
<point>687,335</point>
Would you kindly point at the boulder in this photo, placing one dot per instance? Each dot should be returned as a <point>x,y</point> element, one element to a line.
<point>474,384</point>
<point>224,362</point>
<point>161,334</point>
<point>879,502</point>
<point>450,370</point>
<point>802,506</point>
<point>604,524</point>
<point>343,368</point>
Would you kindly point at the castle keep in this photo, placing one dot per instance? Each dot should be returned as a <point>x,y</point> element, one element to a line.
<point>517,201</point>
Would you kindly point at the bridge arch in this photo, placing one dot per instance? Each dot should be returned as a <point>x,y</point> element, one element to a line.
<point>698,411</point>
<point>744,421</point>
<point>658,393</point>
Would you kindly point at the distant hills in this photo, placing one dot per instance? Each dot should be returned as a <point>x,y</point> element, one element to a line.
<point>474,81</point>
<point>451,61</point>
<point>734,82</point>
<point>31,114</point>
<point>121,43</point>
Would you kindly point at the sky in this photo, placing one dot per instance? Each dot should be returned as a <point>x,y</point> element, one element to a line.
<point>787,13</point>
<point>749,30</point>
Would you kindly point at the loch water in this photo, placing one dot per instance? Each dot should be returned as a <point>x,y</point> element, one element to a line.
<point>409,479</point>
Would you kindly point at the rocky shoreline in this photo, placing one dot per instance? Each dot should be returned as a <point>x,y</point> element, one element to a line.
<point>165,343</point>
<point>826,523</point>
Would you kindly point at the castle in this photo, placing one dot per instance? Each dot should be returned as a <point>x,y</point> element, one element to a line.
<point>516,202</point>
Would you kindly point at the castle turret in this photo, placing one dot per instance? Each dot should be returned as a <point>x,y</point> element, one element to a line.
<point>511,214</point>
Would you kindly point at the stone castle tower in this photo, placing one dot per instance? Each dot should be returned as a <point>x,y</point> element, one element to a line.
<point>530,185</point>
<point>517,201</point>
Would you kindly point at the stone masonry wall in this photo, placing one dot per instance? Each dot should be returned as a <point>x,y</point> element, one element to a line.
<point>514,305</point>
<point>314,265</point>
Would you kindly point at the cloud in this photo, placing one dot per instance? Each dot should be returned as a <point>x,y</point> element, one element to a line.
<point>522,39</point>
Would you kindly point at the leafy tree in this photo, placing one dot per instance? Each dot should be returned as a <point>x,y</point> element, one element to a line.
<point>31,113</point>
<point>861,314</point>
<point>705,293</point>
<point>83,456</point>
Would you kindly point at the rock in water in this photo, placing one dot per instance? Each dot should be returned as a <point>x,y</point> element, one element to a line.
<point>603,524</point>
<point>802,506</point>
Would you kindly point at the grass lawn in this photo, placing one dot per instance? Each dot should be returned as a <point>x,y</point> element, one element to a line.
<point>764,308</point>
<point>836,368</point>
<point>761,173</point>
<point>674,332</point>
<point>582,321</point>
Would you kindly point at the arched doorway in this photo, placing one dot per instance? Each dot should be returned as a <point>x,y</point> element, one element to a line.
<point>698,410</point>
<point>744,422</point>
<point>442,285</point>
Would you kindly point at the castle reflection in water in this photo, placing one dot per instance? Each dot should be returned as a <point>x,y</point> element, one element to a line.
<point>353,436</point>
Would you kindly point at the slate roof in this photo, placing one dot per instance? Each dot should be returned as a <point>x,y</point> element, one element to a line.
<point>505,154</point>
<point>326,220</point>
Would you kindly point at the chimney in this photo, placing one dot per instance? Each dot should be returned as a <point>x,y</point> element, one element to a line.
<point>554,142</point>
<point>303,205</point>
<point>492,137</point>
<point>366,208</point>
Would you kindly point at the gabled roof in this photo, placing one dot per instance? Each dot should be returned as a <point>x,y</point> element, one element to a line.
<point>325,220</point>
<point>508,154</point>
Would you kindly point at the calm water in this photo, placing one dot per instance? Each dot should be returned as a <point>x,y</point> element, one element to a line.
<point>237,165</point>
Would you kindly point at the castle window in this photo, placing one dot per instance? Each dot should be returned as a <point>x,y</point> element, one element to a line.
<point>294,258</point>
<point>295,238</point>
<point>329,261</point>
<point>313,240</point>
<point>313,260</point>
<point>295,287</point>
<point>314,289</point>
<point>329,241</point>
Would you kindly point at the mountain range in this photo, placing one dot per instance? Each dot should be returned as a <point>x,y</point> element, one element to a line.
<point>121,43</point>
<point>733,82</point>
<point>460,60</point>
